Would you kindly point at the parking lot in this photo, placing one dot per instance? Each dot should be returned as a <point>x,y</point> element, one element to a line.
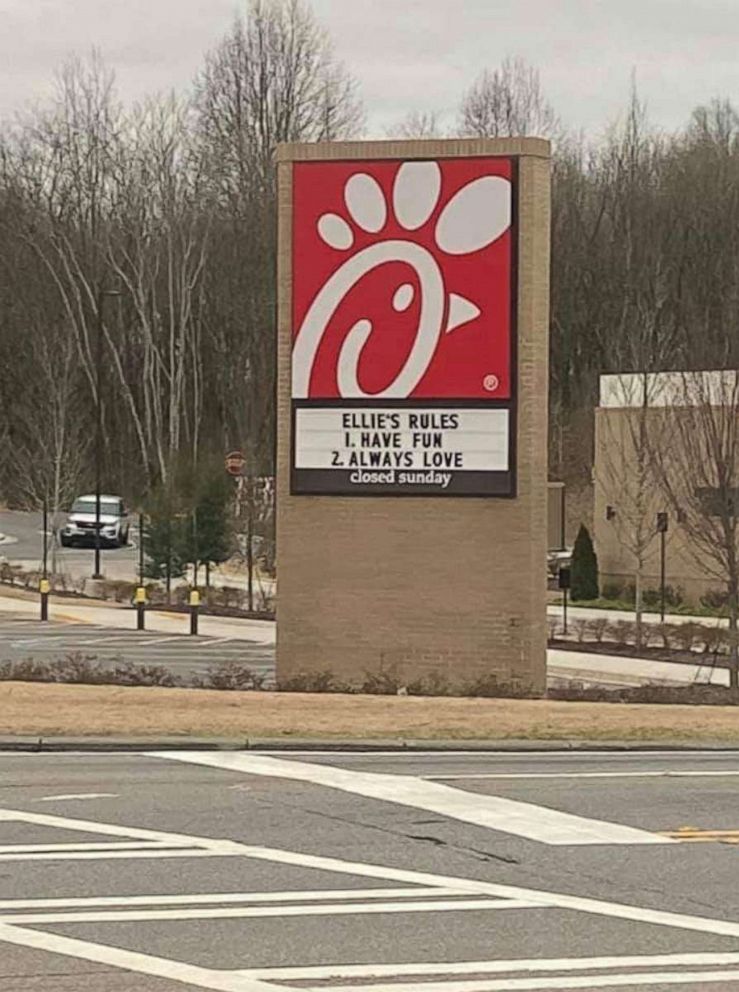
<point>182,654</point>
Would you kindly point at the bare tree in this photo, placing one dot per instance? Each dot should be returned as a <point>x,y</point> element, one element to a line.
<point>417,124</point>
<point>273,78</point>
<point>508,102</point>
<point>695,451</point>
<point>624,474</point>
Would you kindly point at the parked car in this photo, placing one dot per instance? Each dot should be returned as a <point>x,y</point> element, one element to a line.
<point>80,526</point>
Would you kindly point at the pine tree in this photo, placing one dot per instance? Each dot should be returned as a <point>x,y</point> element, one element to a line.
<point>584,575</point>
<point>211,523</point>
<point>165,552</point>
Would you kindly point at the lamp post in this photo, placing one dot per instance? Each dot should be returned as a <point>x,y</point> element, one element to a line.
<point>140,597</point>
<point>662,524</point>
<point>102,295</point>
<point>44,584</point>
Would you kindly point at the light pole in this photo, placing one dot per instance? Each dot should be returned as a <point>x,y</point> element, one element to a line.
<point>662,524</point>
<point>141,590</point>
<point>44,584</point>
<point>102,295</point>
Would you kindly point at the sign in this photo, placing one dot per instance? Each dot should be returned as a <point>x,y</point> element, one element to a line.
<point>403,380</point>
<point>235,463</point>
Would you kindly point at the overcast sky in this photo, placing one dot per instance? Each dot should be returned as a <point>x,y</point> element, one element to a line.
<point>408,54</point>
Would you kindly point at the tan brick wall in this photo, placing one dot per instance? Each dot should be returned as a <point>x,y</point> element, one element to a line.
<point>423,584</point>
<point>614,470</point>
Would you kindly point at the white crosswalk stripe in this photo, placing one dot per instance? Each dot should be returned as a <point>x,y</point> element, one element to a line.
<point>386,892</point>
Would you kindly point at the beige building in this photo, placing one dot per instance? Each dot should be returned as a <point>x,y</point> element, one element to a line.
<point>647,462</point>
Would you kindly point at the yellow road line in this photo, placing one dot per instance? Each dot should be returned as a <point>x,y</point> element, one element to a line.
<point>695,835</point>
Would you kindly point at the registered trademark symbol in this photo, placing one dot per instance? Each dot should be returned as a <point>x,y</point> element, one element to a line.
<point>491,383</point>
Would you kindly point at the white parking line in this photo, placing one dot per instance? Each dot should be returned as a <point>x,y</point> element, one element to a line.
<point>551,983</point>
<point>48,639</point>
<point>65,848</point>
<point>367,971</point>
<point>140,964</point>
<point>729,773</point>
<point>538,823</point>
<point>244,912</point>
<point>438,893</point>
<point>78,796</point>
<point>296,895</point>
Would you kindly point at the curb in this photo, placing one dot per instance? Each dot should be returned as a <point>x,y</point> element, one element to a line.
<point>39,745</point>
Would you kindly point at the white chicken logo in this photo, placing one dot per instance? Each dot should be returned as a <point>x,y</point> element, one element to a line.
<point>476,216</point>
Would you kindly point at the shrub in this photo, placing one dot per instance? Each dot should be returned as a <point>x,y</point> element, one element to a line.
<point>584,574</point>
<point>79,668</point>
<point>685,635</point>
<point>230,675</point>
<point>652,598</point>
<point>713,639</point>
<point>127,673</point>
<point>628,593</point>
<point>229,597</point>
<point>324,681</point>
<point>624,632</point>
<point>598,628</point>
<point>692,695</point>
<point>612,590</point>
<point>28,670</point>
<point>433,684</point>
<point>580,629</point>
<point>383,682</point>
<point>82,669</point>
<point>488,686</point>
<point>715,599</point>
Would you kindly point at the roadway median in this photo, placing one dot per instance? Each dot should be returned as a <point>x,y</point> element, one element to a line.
<point>39,710</point>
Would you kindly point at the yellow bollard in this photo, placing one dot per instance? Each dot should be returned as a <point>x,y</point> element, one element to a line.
<point>44,587</point>
<point>140,601</point>
<point>194,610</point>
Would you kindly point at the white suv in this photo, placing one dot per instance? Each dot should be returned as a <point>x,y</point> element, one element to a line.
<point>80,526</point>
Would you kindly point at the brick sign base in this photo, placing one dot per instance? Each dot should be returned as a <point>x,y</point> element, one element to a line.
<point>412,362</point>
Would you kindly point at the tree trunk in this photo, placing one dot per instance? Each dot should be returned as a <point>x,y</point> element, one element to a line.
<point>250,559</point>
<point>733,636</point>
<point>638,611</point>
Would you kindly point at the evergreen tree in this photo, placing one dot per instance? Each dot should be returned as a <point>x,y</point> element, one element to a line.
<point>211,537</point>
<point>584,575</point>
<point>165,548</point>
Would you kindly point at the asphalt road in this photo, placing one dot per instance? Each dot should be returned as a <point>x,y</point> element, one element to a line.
<point>24,532</point>
<point>183,655</point>
<point>245,872</point>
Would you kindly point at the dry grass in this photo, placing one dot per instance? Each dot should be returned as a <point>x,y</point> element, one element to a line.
<point>74,710</point>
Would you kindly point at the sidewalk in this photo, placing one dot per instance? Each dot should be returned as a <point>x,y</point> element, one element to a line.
<point>593,613</point>
<point>562,664</point>
<point>106,615</point>
<point>616,670</point>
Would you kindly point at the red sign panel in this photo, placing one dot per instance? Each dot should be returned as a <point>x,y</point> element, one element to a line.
<point>402,279</point>
<point>403,295</point>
